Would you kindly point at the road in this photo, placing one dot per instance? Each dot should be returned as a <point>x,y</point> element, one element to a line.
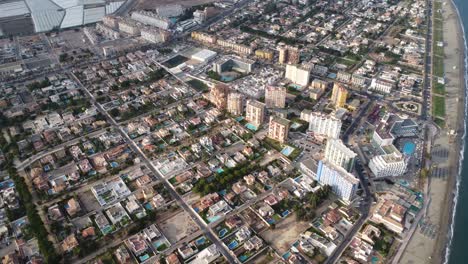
<point>364,209</point>
<point>180,201</point>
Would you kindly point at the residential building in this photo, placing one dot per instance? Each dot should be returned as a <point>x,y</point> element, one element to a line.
<point>343,76</point>
<point>343,183</point>
<point>235,104</point>
<point>388,165</point>
<point>219,95</point>
<point>338,154</point>
<point>154,35</point>
<point>289,54</point>
<point>323,126</point>
<point>238,48</point>
<point>255,112</point>
<point>110,21</point>
<point>382,85</point>
<point>152,19</point>
<point>390,214</point>
<point>298,74</point>
<point>278,129</point>
<point>128,26</point>
<point>358,80</point>
<point>275,96</point>
<point>203,37</point>
<point>264,54</point>
<point>339,95</point>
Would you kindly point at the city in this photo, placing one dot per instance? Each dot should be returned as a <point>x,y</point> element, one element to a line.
<point>236,131</point>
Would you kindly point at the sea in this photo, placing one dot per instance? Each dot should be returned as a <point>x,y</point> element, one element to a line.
<point>457,248</point>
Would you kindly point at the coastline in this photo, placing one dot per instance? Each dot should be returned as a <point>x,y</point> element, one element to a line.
<point>442,192</point>
<point>445,245</point>
<point>441,249</point>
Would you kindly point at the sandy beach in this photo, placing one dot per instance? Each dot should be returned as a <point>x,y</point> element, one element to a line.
<point>422,248</point>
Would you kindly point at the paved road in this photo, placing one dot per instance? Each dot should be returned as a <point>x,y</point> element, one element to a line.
<point>195,217</point>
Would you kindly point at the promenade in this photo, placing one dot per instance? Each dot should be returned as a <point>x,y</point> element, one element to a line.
<point>424,248</point>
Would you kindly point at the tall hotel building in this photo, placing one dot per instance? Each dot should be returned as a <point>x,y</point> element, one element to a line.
<point>322,125</point>
<point>338,154</point>
<point>235,104</point>
<point>278,129</point>
<point>275,97</point>
<point>255,112</point>
<point>388,165</point>
<point>343,183</point>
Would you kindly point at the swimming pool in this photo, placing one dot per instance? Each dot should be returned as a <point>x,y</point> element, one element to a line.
<point>233,244</point>
<point>200,241</point>
<point>214,218</point>
<point>408,148</point>
<point>243,258</point>
<point>222,232</point>
<point>251,127</point>
<point>287,150</point>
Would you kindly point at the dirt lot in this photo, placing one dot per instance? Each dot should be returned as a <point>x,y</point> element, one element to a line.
<point>285,233</point>
<point>151,4</point>
<point>175,230</point>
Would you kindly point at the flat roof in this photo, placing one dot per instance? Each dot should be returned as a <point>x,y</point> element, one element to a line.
<point>73,17</point>
<point>10,9</point>
<point>204,54</point>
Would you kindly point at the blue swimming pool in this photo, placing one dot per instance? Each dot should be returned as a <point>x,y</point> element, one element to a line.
<point>222,232</point>
<point>215,218</point>
<point>233,244</point>
<point>408,148</point>
<point>287,150</point>
<point>243,258</point>
<point>251,127</point>
<point>200,241</point>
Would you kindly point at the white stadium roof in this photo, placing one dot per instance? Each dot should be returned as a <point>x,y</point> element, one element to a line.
<point>73,17</point>
<point>17,8</point>
<point>45,14</point>
<point>92,15</point>
<point>68,3</point>
<point>113,6</point>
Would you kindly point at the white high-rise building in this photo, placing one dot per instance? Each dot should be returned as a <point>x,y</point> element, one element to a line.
<point>337,153</point>
<point>235,104</point>
<point>388,165</point>
<point>275,97</point>
<point>322,125</point>
<point>298,74</point>
<point>343,183</point>
<point>150,18</point>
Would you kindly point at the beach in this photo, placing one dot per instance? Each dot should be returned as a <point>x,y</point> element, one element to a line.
<point>441,191</point>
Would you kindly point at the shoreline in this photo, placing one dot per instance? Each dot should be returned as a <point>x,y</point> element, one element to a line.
<point>444,245</point>
<point>443,242</point>
<point>442,192</point>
